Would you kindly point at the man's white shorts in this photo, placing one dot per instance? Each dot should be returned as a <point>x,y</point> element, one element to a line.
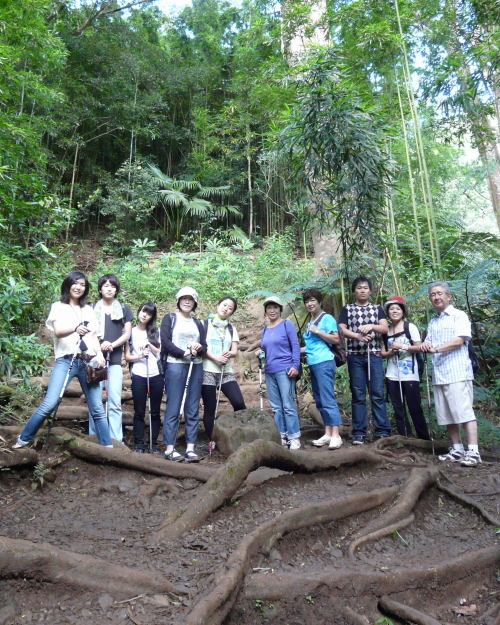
<point>454,402</point>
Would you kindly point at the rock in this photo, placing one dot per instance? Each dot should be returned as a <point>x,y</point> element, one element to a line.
<point>121,485</point>
<point>274,554</point>
<point>254,505</point>
<point>105,601</point>
<point>337,553</point>
<point>315,415</point>
<point>262,474</point>
<point>7,614</point>
<point>318,546</point>
<point>190,484</point>
<point>235,429</point>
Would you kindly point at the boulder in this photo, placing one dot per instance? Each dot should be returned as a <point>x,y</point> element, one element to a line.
<point>236,428</point>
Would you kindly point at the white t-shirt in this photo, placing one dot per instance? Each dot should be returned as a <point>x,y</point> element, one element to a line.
<point>184,334</point>
<point>139,338</point>
<point>406,359</point>
<point>214,343</point>
<point>66,315</point>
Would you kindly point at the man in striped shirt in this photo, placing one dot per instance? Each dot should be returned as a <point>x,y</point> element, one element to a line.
<point>447,337</point>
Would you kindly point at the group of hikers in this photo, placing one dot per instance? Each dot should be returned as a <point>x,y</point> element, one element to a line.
<point>192,359</point>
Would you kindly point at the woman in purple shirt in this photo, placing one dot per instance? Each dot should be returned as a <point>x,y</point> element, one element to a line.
<point>280,344</point>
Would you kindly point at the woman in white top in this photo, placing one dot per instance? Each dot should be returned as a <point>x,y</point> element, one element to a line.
<point>141,352</point>
<point>74,325</point>
<point>222,341</point>
<point>403,381</point>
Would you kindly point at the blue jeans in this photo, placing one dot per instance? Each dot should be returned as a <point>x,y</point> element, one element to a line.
<point>115,380</point>
<point>175,381</point>
<point>358,377</point>
<point>322,382</point>
<point>280,389</point>
<point>92,395</point>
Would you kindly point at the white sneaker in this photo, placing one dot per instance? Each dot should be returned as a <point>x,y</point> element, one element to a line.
<point>453,455</point>
<point>471,459</point>
<point>335,443</point>
<point>324,440</point>
<point>295,443</point>
<point>284,442</point>
<point>19,444</point>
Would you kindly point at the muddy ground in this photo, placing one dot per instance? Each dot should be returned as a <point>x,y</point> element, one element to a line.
<point>93,509</point>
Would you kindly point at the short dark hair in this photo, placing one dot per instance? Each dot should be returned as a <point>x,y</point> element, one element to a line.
<point>230,298</point>
<point>151,329</point>
<point>312,293</point>
<point>359,280</point>
<point>108,277</point>
<point>68,282</point>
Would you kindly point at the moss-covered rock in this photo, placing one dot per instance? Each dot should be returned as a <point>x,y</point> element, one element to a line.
<point>234,429</point>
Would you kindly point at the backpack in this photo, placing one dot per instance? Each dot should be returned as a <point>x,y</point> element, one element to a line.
<point>338,349</point>
<point>473,358</point>
<point>418,357</point>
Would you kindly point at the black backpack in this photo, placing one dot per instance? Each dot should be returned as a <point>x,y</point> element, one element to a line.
<point>414,357</point>
<point>338,349</point>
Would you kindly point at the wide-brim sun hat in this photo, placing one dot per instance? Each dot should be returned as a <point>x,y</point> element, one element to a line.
<point>396,300</point>
<point>187,291</point>
<point>273,299</point>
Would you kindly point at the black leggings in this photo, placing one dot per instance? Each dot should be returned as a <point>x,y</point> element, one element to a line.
<point>209,395</point>
<point>411,393</point>
<point>140,396</point>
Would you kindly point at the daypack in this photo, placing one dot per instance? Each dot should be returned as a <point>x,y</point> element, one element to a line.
<point>473,358</point>
<point>418,357</point>
<point>338,349</point>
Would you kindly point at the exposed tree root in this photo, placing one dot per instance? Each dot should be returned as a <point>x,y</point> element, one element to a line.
<point>13,507</point>
<point>490,612</point>
<point>417,482</point>
<point>385,531</point>
<point>493,520</point>
<point>229,478</point>
<point>123,457</point>
<point>44,562</point>
<point>213,608</point>
<point>404,612</point>
<point>149,490</point>
<point>345,583</point>
<point>17,458</point>
<point>418,443</point>
<point>353,618</point>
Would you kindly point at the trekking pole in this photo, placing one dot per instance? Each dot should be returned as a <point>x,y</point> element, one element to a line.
<point>148,391</point>
<point>429,424</point>
<point>52,416</point>
<point>211,444</point>
<point>260,360</point>
<point>106,388</point>
<point>181,411</point>
<point>402,399</point>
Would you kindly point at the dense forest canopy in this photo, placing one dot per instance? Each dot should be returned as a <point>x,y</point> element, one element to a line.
<point>354,123</point>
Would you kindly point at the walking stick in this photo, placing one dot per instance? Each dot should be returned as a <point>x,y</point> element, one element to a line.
<point>149,406</point>
<point>52,416</point>
<point>429,423</point>
<point>181,411</point>
<point>106,388</point>
<point>401,395</point>
<point>260,360</point>
<point>211,444</point>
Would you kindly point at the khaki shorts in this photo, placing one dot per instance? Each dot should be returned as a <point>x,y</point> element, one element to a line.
<point>454,402</point>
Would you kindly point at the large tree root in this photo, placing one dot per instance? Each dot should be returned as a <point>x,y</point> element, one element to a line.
<point>405,613</point>
<point>121,457</point>
<point>17,458</point>
<point>417,482</point>
<point>213,608</point>
<point>493,520</point>
<point>345,583</point>
<point>224,484</point>
<point>353,618</point>
<point>418,443</point>
<point>44,562</point>
<point>385,531</point>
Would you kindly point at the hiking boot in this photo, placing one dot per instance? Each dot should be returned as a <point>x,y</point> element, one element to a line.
<point>295,443</point>
<point>471,459</point>
<point>324,440</point>
<point>453,455</point>
<point>358,439</point>
<point>335,443</point>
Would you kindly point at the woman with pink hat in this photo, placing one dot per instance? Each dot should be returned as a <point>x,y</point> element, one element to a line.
<point>402,344</point>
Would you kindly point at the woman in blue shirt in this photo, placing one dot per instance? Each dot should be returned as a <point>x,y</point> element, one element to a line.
<point>322,331</point>
<point>281,346</point>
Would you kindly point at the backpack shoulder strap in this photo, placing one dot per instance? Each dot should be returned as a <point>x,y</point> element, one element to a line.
<point>231,331</point>
<point>406,327</point>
